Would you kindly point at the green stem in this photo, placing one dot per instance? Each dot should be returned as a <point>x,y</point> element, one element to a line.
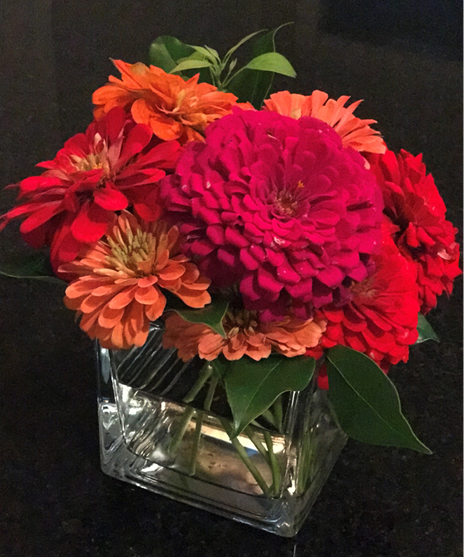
<point>269,417</point>
<point>179,435</point>
<point>274,464</point>
<point>205,373</point>
<point>197,434</point>
<point>278,412</point>
<point>257,443</point>
<point>242,454</point>
<point>305,465</point>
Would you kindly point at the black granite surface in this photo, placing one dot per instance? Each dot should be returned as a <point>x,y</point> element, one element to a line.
<point>54,501</point>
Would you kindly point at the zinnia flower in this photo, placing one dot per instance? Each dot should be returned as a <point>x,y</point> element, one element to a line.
<point>171,107</point>
<point>381,318</point>
<point>422,233</point>
<point>280,207</point>
<point>121,278</point>
<point>114,165</point>
<point>354,132</point>
<point>246,336</point>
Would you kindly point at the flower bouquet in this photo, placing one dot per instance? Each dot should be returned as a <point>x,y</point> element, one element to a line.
<point>250,265</point>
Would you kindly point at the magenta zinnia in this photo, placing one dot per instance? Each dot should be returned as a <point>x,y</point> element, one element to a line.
<point>114,165</point>
<point>278,206</point>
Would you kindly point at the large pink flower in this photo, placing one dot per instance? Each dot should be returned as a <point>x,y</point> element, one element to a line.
<point>114,165</point>
<point>421,230</point>
<point>279,206</point>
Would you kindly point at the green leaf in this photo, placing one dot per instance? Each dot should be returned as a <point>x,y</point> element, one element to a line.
<point>207,53</point>
<point>366,401</point>
<point>32,266</point>
<point>252,387</point>
<point>425,330</point>
<point>242,41</point>
<point>190,64</point>
<point>271,62</point>
<point>211,315</point>
<point>165,52</point>
<point>254,85</point>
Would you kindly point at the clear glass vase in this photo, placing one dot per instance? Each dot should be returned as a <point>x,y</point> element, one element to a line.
<point>268,477</point>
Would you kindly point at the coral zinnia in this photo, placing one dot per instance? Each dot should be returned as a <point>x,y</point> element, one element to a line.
<point>115,164</point>
<point>246,335</point>
<point>423,234</point>
<point>118,291</point>
<point>279,206</point>
<point>381,318</point>
<point>172,107</point>
<point>354,132</point>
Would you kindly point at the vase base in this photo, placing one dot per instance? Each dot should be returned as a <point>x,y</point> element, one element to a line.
<point>282,516</point>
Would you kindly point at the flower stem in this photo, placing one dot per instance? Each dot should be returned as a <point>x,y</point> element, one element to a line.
<point>274,464</point>
<point>196,438</point>
<point>180,432</point>
<point>246,460</point>
<point>257,443</point>
<point>278,412</point>
<point>205,373</point>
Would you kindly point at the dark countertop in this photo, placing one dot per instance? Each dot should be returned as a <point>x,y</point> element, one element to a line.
<point>54,501</point>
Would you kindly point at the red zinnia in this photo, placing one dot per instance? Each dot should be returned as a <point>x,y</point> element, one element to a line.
<point>279,206</point>
<point>115,164</point>
<point>381,319</point>
<point>422,233</point>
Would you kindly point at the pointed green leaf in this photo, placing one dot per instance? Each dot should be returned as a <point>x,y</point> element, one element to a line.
<point>271,62</point>
<point>252,387</point>
<point>252,85</point>
<point>32,266</point>
<point>208,53</point>
<point>239,44</point>
<point>211,315</point>
<point>165,52</point>
<point>366,401</point>
<point>425,330</point>
<point>190,64</point>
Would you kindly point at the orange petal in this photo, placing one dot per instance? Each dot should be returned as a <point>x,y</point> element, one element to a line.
<point>109,317</point>
<point>155,311</point>
<point>124,298</point>
<point>147,295</point>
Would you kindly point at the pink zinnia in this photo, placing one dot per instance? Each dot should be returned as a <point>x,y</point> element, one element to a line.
<point>114,165</point>
<point>279,206</point>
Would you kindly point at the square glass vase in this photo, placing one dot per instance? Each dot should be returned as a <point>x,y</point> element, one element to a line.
<point>269,476</point>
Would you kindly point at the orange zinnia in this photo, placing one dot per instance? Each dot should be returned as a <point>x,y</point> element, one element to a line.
<point>355,133</point>
<point>245,335</point>
<point>118,289</point>
<point>172,107</point>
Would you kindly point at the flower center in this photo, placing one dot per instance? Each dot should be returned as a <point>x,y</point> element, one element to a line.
<point>133,255</point>
<point>236,320</point>
<point>365,289</point>
<point>90,162</point>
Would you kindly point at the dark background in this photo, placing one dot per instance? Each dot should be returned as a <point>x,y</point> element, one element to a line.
<point>404,58</point>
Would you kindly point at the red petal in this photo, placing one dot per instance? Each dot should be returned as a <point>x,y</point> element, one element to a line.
<point>110,199</point>
<point>138,138</point>
<point>91,223</point>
